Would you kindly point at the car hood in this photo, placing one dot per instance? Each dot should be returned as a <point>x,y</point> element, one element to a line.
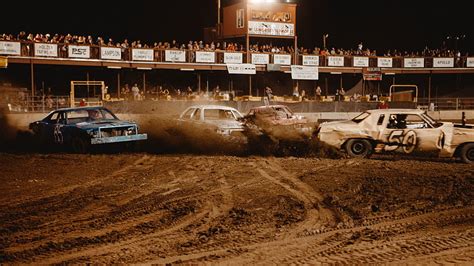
<point>104,123</point>
<point>339,125</point>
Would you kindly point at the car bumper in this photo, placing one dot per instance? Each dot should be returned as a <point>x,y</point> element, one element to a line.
<point>119,139</point>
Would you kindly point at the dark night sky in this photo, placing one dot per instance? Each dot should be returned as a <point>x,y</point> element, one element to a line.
<point>381,25</point>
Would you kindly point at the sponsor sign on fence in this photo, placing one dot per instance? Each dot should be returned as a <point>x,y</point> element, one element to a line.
<point>247,69</point>
<point>372,73</point>
<point>10,48</point>
<point>336,61</point>
<point>111,53</point>
<point>46,49</point>
<point>304,72</point>
<point>413,62</point>
<point>260,59</point>
<point>385,62</point>
<point>3,62</point>
<point>470,62</point>
<point>233,58</point>
<point>142,54</point>
<point>205,57</point>
<point>310,60</point>
<point>361,61</point>
<point>271,28</point>
<point>175,56</point>
<point>443,62</point>
<point>282,59</point>
<point>76,51</point>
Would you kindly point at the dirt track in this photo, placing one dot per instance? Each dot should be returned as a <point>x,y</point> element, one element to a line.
<point>134,208</point>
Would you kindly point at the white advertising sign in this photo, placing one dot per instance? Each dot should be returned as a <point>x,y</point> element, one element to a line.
<point>247,69</point>
<point>205,57</point>
<point>46,49</point>
<point>10,48</point>
<point>271,28</point>
<point>361,61</point>
<point>470,62</point>
<point>304,72</point>
<point>142,54</point>
<point>260,59</point>
<point>282,59</point>
<point>384,62</point>
<point>175,56</point>
<point>111,53</point>
<point>76,51</point>
<point>233,58</point>
<point>443,62</point>
<point>413,62</point>
<point>336,61</point>
<point>310,60</point>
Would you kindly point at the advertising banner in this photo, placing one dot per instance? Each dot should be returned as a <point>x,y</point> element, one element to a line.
<point>271,28</point>
<point>304,72</point>
<point>310,60</point>
<point>336,61</point>
<point>361,61</point>
<point>111,53</point>
<point>282,59</point>
<point>384,62</point>
<point>10,48</point>
<point>260,59</point>
<point>372,73</point>
<point>79,51</point>
<point>233,58</point>
<point>470,62</point>
<point>205,57</point>
<point>175,56</point>
<point>142,54</point>
<point>413,62</point>
<point>247,69</point>
<point>443,62</point>
<point>46,49</point>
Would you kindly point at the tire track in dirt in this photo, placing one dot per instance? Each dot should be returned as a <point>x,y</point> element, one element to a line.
<point>317,214</point>
<point>328,246</point>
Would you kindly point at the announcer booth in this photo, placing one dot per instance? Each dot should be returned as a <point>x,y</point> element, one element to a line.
<point>257,19</point>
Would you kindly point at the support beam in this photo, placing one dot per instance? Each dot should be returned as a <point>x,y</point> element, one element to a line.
<point>144,81</point>
<point>118,84</point>
<point>199,83</point>
<point>429,89</point>
<point>250,85</point>
<point>32,77</point>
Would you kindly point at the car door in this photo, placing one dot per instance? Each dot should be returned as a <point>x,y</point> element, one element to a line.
<point>408,133</point>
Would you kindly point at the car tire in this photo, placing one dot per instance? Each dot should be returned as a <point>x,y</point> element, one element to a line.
<point>467,153</point>
<point>79,145</point>
<point>359,148</point>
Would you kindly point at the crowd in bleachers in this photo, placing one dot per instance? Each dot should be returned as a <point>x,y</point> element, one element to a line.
<point>222,46</point>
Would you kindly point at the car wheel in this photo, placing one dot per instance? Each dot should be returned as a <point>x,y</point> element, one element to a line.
<point>79,145</point>
<point>467,153</point>
<point>359,148</point>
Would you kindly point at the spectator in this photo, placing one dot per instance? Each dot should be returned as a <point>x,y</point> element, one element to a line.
<point>317,94</point>
<point>268,96</point>
<point>135,92</point>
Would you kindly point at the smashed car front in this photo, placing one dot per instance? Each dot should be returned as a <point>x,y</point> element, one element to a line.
<point>103,132</point>
<point>338,132</point>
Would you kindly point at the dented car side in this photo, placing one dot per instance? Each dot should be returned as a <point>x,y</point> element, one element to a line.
<point>398,130</point>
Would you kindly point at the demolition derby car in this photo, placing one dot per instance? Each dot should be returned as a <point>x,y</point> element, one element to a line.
<point>222,120</point>
<point>80,128</point>
<point>277,130</point>
<point>404,131</point>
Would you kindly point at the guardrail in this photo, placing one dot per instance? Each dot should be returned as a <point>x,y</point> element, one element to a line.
<point>61,50</point>
<point>437,104</point>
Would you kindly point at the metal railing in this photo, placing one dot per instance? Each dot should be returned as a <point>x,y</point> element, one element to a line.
<point>436,104</point>
<point>61,50</point>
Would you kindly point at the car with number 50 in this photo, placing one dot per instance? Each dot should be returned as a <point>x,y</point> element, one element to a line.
<point>84,127</point>
<point>405,131</point>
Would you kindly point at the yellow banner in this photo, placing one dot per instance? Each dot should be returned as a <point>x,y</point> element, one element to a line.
<point>3,62</point>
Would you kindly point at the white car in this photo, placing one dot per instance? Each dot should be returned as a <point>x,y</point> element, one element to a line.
<point>222,120</point>
<point>399,130</point>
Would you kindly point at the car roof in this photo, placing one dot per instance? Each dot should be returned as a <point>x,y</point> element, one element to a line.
<point>205,106</point>
<point>400,111</point>
<point>79,108</point>
<point>268,106</point>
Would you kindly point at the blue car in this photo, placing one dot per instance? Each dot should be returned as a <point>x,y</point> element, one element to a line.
<point>84,127</point>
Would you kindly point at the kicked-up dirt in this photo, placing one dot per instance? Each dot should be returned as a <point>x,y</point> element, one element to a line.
<point>145,208</point>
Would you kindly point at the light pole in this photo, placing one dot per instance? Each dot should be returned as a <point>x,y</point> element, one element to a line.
<point>325,36</point>
<point>218,12</point>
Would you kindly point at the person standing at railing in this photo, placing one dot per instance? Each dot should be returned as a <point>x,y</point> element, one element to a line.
<point>135,92</point>
<point>317,94</point>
